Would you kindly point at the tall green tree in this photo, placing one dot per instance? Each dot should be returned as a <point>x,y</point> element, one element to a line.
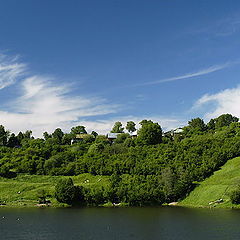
<point>197,124</point>
<point>27,134</point>
<point>66,140</point>
<point>131,127</point>
<point>3,136</point>
<point>145,121</point>
<point>117,128</point>
<point>225,120</point>
<point>78,130</point>
<point>20,137</point>
<point>46,135</point>
<point>150,133</point>
<point>211,124</point>
<point>13,141</point>
<point>58,135</point>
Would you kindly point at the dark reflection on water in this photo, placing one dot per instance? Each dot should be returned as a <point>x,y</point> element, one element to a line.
<point>119,223</point>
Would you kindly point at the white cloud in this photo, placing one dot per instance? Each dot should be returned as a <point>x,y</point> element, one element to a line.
<point>44,106</point>
<point>10,70</point>
<point>226,101</point>
<point>190,75</point>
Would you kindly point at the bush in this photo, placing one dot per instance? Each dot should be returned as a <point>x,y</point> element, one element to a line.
<point>5,171</point>
<point>42,195</point>
<point>65,191</point>
<point>235,196</point>
<point>94,196</point>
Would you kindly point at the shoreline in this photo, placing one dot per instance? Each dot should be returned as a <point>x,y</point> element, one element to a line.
<point>107,205</point>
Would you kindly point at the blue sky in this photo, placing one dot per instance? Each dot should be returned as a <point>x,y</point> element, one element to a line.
<point>64,63</point>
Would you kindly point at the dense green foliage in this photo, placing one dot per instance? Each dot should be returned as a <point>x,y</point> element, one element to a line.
<point>235,196</point>
<point>151,168</point>
<point>65,191</point>
<point>150,133</point>
<point>117,128</point>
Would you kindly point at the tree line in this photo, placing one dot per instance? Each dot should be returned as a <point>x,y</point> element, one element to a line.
<point>152,168</point>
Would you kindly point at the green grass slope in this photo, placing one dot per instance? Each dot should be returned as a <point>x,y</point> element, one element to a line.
<point>217,186</point>
<point>23,190</point>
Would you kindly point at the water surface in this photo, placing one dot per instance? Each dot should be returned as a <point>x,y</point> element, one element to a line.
<point>119,223</point>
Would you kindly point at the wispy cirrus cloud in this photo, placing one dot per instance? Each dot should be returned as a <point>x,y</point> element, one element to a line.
<point>42,104</point>
<point>220,28</point>
<point>205,71</point>
<point>10,70</point>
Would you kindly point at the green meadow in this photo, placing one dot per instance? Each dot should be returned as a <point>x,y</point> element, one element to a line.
<point>23,190</point>
<point>217,186</point>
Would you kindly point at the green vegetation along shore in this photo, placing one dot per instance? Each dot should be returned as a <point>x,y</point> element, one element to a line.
<point>24,190</point>
<point>215,191</point>
<point>136,168</point>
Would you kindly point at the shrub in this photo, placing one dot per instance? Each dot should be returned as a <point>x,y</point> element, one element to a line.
<point>235,196</point>
<point>65,191</point>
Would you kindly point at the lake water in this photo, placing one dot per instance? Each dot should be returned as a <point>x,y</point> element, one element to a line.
<point>119,223</point>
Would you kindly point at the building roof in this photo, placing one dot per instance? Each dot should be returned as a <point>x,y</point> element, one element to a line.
<point>133,134</point>
<point>112,135</point>
<point>178,130</point>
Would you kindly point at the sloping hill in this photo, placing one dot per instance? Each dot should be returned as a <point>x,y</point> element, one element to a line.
<point>23,190</point>
<point>216,187</point>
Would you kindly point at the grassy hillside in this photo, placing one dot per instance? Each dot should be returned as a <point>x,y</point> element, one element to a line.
<point>23,190</point>
<point>218,186</point>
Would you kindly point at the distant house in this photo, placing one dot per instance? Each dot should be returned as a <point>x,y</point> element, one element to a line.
<point>173,132</point>
<point>133,134</point>
<point>112,136</point>
<point>79,138</point>
<point>178,130</point>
